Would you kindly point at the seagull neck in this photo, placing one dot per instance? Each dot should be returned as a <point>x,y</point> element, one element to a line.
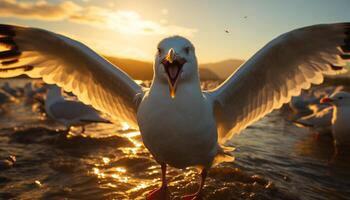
<point>185,88</point>
<point>54,94</point>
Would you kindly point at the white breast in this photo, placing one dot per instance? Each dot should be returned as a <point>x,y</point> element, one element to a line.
<point>341,125</point>
<point>181,131</point>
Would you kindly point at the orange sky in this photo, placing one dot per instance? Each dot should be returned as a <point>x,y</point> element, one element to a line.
<point>132,29</point>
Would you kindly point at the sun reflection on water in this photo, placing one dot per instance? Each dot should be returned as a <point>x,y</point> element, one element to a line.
<point>106,160</point>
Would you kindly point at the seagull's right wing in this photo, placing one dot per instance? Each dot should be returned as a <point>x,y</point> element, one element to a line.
<point>71,65</point>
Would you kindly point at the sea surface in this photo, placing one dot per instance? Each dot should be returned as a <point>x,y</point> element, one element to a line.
<point>273,160</point>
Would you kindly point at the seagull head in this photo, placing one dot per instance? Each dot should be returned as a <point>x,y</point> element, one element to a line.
<point>338,99</point>
<point>175,62</point>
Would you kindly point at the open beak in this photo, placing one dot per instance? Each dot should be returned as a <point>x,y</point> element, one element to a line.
<point>326,100</point>
<point>173,65</point>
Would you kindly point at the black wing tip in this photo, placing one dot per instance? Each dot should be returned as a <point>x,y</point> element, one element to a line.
<point>336,68</point>
<point>9,62</point>
<point>346,46</point>
<point>7,30</point>
<point>25,68</point>
<point>345,56</point>
<point>8,54</point>
<point>8,41</point>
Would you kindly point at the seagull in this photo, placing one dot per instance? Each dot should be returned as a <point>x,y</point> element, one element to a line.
<point>69,112</point>
<point>340,120</point>
<point>180,124</point>
<point>300,106</point>
<point>306,106</point>
<point>320,121</point>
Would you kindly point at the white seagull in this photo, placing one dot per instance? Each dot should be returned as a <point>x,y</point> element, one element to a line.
<point>340,120</point>
<point>180,124</point>
<point>320,121</point>
<point>69,112</point>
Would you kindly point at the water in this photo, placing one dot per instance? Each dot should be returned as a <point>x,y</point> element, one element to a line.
<point>274,160</point>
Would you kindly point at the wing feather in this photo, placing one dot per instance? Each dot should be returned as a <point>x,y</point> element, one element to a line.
<point>280,70</point>
<point>71,65</point>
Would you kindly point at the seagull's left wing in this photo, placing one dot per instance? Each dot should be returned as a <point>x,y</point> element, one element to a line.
<point>280,70</point>
<point>71,65</point>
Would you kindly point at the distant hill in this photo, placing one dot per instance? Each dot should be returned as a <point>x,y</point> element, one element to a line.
<point>223,68</point>
<point>144,70</point>
<point>139,70</point>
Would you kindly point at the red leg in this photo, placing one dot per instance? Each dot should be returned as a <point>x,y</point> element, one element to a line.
<point>198,193</point>
<point>161,193</point>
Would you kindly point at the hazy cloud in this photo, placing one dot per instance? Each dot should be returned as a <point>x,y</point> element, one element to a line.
<point>128,22</point>
<point>39,10</point>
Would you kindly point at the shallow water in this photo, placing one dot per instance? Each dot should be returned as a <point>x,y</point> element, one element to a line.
<point>274,160</point>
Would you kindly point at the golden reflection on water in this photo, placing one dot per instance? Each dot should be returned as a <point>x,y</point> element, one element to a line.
<point>106,160</point>
<point>125,126</point>
<point>120,178</point>
<point>120,169</point>
<point>131,136</point>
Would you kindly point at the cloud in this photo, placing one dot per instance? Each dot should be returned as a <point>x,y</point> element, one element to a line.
<point>106,48</point>
<point>165,11</point>
<point>122,21</point>
<point>40,10</point>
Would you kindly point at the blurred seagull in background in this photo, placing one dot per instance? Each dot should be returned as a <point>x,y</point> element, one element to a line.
<point>319,122</point>
<point>320,119</point>
<point>180,124</point>
<point>307,104</point>
<point>69,112</point>
<point>340,120</point>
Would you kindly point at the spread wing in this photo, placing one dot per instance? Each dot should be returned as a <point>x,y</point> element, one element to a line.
<point>278,71</point>
<point>71,65</point>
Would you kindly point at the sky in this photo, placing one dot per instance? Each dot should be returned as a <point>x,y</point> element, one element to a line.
<point>219,29</point>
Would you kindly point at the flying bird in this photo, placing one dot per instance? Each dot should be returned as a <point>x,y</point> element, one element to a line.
<point>340,120</point>
<point>180,124</point>
<point>69,112</point>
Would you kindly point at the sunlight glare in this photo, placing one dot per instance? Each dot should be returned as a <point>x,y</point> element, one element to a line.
<point>120,169</point>
<point>120,178</point>
<point>105,160</point>
<point>125,126</point>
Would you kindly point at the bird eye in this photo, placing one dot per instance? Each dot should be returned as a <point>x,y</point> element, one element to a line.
<point>159,51</point>
<point>187,50</point>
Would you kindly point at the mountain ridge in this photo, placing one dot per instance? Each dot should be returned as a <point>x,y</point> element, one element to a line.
<point>143,70</point>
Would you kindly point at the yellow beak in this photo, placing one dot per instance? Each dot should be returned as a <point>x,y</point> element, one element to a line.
<point>170,57</point>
